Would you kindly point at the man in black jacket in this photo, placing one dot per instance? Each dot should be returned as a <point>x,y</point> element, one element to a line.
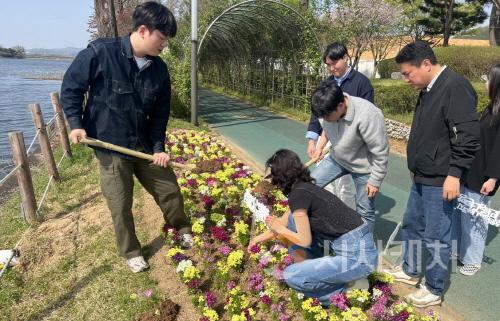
<point>443,140</point>
<point>128,105</point>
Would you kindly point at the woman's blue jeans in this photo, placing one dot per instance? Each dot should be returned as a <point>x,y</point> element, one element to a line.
<point>470,231</point>
<point>322,275</point>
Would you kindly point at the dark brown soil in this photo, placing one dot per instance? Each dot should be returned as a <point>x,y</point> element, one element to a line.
<point>264,188</point>
<point>208,166</point>
<point>167,311</point>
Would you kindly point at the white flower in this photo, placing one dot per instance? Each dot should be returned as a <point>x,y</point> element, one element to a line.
<point>183,265</point>
<point>300,295</point>
<point>376,294</point>
<point>202,220</point>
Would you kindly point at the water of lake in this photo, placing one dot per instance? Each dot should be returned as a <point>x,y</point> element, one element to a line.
<point>23,82</point>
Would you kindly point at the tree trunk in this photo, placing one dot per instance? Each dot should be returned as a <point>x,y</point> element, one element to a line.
<point>447,23</point>
<point>495,23</point>
<point>105,18</point>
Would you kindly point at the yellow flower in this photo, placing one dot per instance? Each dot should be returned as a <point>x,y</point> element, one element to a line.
<point>354,314</point>
<point>223,268</point>
<point>190,273</point>
<point>197,227</point>
<point>235,258</point>
<point>210,314</point>
<point>173,251</point>
<point>241,228</point>
<point>197,240</point>
<point>240,317</point>
<point>358,295</point>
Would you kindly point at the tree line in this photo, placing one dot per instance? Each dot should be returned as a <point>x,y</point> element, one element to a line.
<point>14,52</point>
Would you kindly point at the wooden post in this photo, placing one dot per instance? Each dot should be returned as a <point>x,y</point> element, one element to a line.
<point>61,124</point>
<point>43,139</point>
<point>23,176</point>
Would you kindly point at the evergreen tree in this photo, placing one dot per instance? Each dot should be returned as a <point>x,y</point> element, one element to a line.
<point>447,17</point>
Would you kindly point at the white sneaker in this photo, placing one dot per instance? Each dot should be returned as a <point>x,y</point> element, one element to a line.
<point>187,241</point>
<point>469,269</point>
<point>423,298</point>
<point>400,275</point>
<point>137,264</point>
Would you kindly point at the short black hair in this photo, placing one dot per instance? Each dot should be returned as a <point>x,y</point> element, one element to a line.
<point>326,98</point>
<point>416,52</point>
<point>287,170</point>
<point>335,51</point>
<point>155,16</point>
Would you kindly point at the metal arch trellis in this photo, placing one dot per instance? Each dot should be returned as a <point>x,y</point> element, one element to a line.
<point>253,3</point>
<point>261,48</point>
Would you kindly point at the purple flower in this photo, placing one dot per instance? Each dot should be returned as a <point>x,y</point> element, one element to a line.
<point>231,285</point>
<point>192,182</point>
<point>385,288</point>
<point>378,310</point>
<point>315,302</point>
<point>340,301</point>
<point>263,261</point>
<point>179,257</point>
<point>193,284</point>
<point>287,260</point>
<point>254,249</point>
<point>255,282</point>
<point>284,317</point>
<point>266,299</point>
<point>278,308</point>
<point>219,233</point>
<point>402,316</point>
<point>225,250</point>
<point>207,201</point>
<point>210,299</point>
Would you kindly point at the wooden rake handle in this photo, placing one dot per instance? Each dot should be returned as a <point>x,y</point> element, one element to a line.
<point>313,161</point>
<point>98,143</point>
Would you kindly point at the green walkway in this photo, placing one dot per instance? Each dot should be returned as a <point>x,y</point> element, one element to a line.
<point>260,133</point>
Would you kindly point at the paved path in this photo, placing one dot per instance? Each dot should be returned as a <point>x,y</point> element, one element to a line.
<point>260,133</point>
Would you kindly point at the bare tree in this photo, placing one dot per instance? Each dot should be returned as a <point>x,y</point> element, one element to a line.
<point>366,24</point>
<point>105,18</point>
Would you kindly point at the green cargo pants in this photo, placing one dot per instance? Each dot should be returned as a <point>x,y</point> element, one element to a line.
<point>117,184</point>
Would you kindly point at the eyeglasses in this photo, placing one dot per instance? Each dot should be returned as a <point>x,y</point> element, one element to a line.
<point>484,78</point>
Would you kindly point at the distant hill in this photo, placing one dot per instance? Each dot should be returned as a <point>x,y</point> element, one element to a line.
<point>478,33</point>
<point>65,52</point>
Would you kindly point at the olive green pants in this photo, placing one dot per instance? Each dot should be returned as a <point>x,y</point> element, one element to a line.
<point>117,185</point>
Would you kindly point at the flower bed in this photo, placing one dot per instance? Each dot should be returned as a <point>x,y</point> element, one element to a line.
<point>229,282</point>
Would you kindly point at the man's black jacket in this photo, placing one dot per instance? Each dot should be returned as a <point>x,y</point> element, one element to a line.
<point>445,130</point>
<point>125,106</point>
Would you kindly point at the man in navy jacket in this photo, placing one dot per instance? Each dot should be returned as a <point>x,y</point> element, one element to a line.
<point>351,82</point>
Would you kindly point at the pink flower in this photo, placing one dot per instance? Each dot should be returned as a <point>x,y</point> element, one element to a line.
<point>287,260</point>
<point>340,301</point>
<point>225,250</point>
<point>211,181</point>
<point>231,285</point>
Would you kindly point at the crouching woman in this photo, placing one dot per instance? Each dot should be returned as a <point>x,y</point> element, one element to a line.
<point>317,224</point>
